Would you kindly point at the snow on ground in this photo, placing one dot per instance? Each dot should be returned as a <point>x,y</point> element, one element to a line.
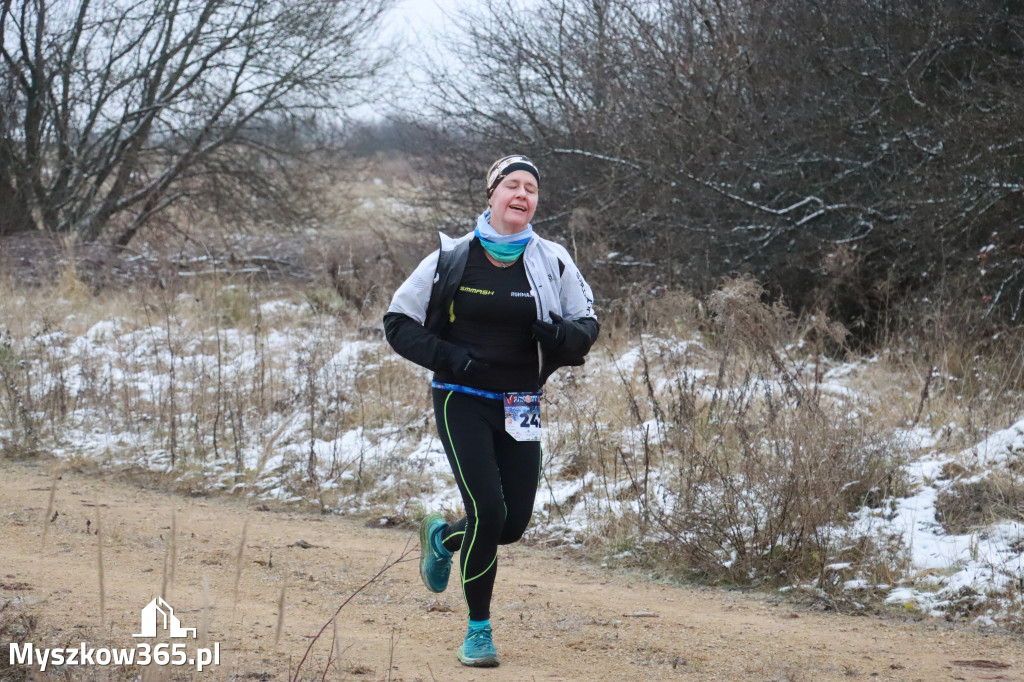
<point>112,356</point>
<point>947,567</point>
<point>998,447</point>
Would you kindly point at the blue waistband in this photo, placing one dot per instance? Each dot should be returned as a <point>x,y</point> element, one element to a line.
<point>468,390</point>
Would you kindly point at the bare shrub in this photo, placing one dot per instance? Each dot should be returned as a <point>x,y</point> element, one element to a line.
<point>176,129</point>
<point>968,506</point>
<point>364,270</point>
<point>670,312</point>
<point>852,156</point>
<point>967,371</point>
<point>15,407</point>
<point>739,465</point>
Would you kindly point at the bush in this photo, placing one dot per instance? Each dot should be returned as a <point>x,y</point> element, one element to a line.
<point>851,156</point>
<point>739,465</point>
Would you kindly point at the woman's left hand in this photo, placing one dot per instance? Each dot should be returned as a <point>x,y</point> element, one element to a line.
<point>551,335</point>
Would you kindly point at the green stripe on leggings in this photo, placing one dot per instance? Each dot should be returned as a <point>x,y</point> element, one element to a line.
<point>464,559</point>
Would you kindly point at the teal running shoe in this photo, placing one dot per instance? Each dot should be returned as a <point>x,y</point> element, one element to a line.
<point>478,650</point>
<point>435,562</point>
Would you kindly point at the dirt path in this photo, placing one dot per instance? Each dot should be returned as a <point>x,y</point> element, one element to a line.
<point>554,619</point>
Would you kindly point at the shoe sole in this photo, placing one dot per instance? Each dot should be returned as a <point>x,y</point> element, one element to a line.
<point>478,662</point>
<point>425,550</point>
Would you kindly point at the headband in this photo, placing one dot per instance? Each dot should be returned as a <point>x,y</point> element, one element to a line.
<point>506,165</point>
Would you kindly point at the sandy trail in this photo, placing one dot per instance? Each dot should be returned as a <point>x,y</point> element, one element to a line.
<point>554,618</point>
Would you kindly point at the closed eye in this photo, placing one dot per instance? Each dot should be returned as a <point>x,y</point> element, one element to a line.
<point>529,187</point>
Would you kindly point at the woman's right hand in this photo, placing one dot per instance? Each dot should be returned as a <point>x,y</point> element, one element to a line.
<point>464,364</point>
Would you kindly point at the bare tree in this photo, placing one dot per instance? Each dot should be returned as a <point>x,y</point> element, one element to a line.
<point>855,156</point>
<point>111,111</point>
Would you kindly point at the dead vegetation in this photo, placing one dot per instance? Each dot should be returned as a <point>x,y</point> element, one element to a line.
<point>707,437</point>
<point>970,506</point>
<point>726,454</point>
<point>17,627</point>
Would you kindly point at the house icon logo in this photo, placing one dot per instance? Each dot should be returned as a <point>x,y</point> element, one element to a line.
<point>158,611</point>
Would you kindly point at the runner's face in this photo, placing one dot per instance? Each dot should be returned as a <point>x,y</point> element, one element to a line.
<point>513,202</point>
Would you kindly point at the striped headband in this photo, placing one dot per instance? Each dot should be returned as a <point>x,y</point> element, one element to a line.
<point>503,166</point>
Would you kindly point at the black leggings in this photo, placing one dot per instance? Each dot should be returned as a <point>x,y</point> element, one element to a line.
<point>497,476</point>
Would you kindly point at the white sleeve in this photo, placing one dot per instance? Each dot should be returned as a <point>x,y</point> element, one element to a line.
<point>412,297</point>
<point>577,300</point>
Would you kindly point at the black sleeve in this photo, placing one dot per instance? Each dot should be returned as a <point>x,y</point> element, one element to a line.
<point>580,335</point>
<point>414,342</point>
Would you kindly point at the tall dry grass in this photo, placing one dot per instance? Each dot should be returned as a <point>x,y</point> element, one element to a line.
<point>707,438</point>
<point>725,455</point>
<point>209,381</point>
<point>966,371</point>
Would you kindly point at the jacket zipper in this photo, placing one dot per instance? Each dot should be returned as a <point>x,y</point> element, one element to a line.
<point>540,313</point>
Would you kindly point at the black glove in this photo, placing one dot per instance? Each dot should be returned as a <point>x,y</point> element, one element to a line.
<point>551,335</point>
<point>464,365</point>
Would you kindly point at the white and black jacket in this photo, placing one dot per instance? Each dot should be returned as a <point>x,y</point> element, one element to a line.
<point>417,317</point>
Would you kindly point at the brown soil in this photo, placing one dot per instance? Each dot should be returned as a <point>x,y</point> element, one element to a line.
<point>554,618</point>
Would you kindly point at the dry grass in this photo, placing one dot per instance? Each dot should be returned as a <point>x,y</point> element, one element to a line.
<point>962,372</point>
<point>17,626</point>
<point>721,455</point>
<point>703,438</point>
<point>969,506</point>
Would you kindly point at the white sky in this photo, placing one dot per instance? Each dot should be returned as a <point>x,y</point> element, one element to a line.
<point>420,25</point>
<point>415,16</point>
<point>417,26</point>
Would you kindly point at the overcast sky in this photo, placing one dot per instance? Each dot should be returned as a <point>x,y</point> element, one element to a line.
<point>417,26</point>
<point>420,27</point>
<point>422,23</point>
<point>415,16</point>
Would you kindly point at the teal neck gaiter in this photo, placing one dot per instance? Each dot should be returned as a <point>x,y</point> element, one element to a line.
<point>503,248</point>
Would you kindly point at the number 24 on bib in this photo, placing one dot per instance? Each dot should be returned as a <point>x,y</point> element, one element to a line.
<point>522,415</point>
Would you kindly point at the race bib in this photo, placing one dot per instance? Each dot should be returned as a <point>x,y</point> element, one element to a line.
<point>522,415</point>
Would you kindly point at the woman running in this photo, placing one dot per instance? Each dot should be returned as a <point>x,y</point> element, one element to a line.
<point>493,314</point>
